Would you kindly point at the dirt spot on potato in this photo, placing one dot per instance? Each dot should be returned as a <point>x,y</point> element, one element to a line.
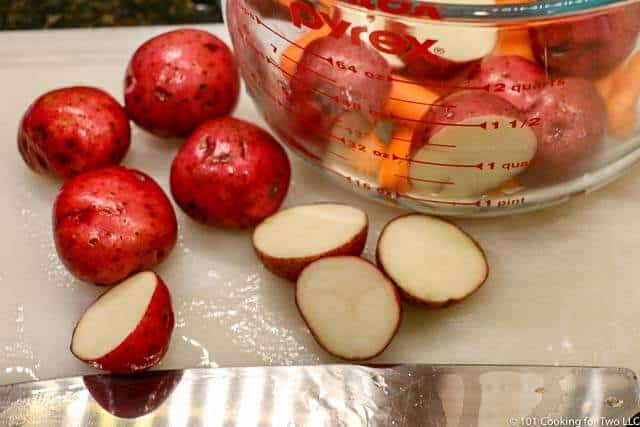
<point>62,158</point>
<point>211,47</point>
<point>161,94</point>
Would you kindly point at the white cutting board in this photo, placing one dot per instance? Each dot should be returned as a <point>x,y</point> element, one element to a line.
<point>564,284</point>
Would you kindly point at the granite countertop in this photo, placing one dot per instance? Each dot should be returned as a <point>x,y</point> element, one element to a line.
<point>30,14</point>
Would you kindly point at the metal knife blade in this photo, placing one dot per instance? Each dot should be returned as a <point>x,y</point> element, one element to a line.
<point>332,395</point>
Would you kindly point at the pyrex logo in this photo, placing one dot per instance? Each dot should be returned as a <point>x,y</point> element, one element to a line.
<point>390,42</point>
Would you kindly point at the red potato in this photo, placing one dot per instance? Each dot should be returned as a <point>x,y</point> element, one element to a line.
<point>111,223</point>
<point>452,50</point>
<point>479,130</point>
<point>352,310</point>
<point>512,78</point>
<point>132,396</point>
<point>128,328</point>
<point>311,232</point>
<point>573,122</point>
<point>180,79</point>
<point>230,173</point>
<point>589,47</point>
<point>321,92</point>
<point>73,130</point>
<point>431,261</point>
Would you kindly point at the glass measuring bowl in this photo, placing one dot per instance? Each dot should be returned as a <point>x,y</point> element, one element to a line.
<point>458,109</point>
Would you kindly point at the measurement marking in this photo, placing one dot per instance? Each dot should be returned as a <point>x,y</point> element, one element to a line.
<point>337,155</point>
<point>482,125</point>
<point>285,56</point>
<point>429,143</point>
<point>433,181</point>
<point>486,87</point>
<point>449,165</point>
<point>260,22</point>
<point>329,79</point>
<point>421,103</point>
<point>440,145</point>
<point>271,61</point>
<point>477,203</point>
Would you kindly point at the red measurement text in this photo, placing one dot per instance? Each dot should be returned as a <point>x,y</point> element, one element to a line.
<point>389,42</point>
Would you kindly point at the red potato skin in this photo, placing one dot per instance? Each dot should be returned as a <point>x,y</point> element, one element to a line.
<point>467,104</point>
<point>230,173</point>
<point>291,268</point>
<point>180,79</point>
<point>111,223</point>
<point>73,130</point>
<point>513,72</point>
<point>311,92</point>
<point>148,343</point>
<point>401,315</point>
<point>573,122</point>
<point>590,47</point>
<point>127,396</point>
<point>408,297</point>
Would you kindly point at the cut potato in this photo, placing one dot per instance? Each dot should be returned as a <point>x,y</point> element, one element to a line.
<point>477,146</point>
<point>128,328</point>
<point>293,238</point>
<point>351,308</point>
<point>127,396</point>
<point>456,45</point>
<point>432,261</point>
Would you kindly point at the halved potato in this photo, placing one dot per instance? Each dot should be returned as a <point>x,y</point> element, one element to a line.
<point>128,328</point>
<point>432,261</point>
<point>351,308</point>
<point>293,238</point>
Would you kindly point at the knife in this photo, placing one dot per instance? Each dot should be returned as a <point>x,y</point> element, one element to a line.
<point>332,395</point>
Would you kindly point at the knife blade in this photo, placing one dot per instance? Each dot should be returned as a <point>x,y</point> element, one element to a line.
<point>332,395</point>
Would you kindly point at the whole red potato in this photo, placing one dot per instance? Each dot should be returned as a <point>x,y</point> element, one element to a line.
<point>111,223</point>
<point>572,124</point>
<point>180,79</point>
<point>73,130</point>
<point>321,91</point>
<point>512,78</point>
<point>589,47</point>
<point>230,173</point>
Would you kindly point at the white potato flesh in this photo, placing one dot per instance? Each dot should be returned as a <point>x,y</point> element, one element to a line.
<point>112,317</point>
<point>431,259</point>
<point>308,230</point>
<point>461,43</point>
<point>454,145</point>
<point>349,305</point>
<point>458,43</point>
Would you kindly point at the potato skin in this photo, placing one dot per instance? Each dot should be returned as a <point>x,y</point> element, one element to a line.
<point>111,223</point>
<point>230,173</point>
<point>148,343</point>
<point>512,71</point>
<point>311,93</point>
<point>467,104</point>
<point>590,47</point>
<point>412,299</point>
<point>73,130</point>
<point>132,397</point>
<point>180,79</point>
<point>573,121</point>
<point>291,268</point>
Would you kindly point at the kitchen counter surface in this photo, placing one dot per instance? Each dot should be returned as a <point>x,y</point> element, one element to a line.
<point>563,287</point>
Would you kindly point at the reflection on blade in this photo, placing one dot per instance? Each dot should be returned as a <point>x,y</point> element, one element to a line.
<point>334,395</point>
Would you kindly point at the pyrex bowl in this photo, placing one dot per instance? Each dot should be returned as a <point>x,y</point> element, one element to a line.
<point>457,109</point>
